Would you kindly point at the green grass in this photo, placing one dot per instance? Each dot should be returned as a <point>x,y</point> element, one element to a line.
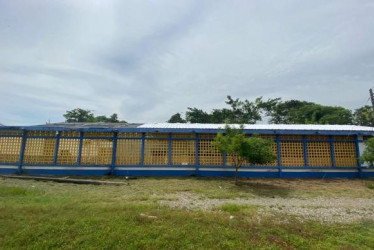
<point>41,215</point>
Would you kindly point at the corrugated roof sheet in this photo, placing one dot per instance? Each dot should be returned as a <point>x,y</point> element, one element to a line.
<point>258,126</point>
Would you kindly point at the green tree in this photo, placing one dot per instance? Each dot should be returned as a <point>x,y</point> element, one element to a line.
<point>79,115</point>
<point>176,118</point>
<point>364,116</point>
<point>368,154</point>
<point>301,112</point>
<point>85,115</point>
<point>241,148</point>
<point>195,115</point>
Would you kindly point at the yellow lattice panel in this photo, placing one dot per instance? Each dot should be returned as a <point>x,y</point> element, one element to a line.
<point>128,152</point>
<point>96,152</point>
<point>317,137</point>
<point>129,135</point>
<point>10,149</point>
<point>344,137</point>
<point>39,150</point>
<point>207,136</point>
<point>156,152</point>
<point>69,134</point>
<point>291,137</point>
<point>157,135</point>
<point>14,133</point>
<point>98,134</point>
<point>345,154</point>
<point>292,154</point>
<point>183,135</point>
<point>319,154</point>
<point>68,151</point>
<point>209,154</point>
<point>41,133</point>
<point>183,152</point>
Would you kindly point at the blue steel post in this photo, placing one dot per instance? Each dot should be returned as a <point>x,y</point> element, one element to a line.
<point>305,146</point>
<point>331,140</point>
<point>114,152</point>
<point>56,148</point>
<point>279,155</point>
<point>358,157</point>
<point>197,163</point>
<point>169,151</point>
<point>79,158</point>
<point>142,150</point>
<point>22,153</point>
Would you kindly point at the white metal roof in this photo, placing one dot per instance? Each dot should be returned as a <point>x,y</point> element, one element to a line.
<point>259,126</point>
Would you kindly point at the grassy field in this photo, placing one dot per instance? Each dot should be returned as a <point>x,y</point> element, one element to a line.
<point>40,215</point>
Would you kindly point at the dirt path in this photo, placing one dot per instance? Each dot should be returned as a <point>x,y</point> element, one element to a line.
<point>330,210</point>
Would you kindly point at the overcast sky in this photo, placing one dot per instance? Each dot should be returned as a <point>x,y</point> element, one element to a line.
<point>147,60</point>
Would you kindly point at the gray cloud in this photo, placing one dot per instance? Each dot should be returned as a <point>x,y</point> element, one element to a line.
<point>146,60</point>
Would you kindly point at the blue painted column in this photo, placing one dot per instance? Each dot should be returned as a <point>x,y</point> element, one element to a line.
<point>114,152</point>
<point>305,146</point>
<point>358,157</point>
<point>142,150</point>
<point>56,147</point>
<point>169,151</point>
<point>331,140</point>
<point>197,163</point>
<point>279,154</point>
<point>79,158</point>
<point>22,153</point>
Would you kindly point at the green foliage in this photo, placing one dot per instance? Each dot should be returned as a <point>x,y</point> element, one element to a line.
<point>85,115</point>
<point>253,149</point>
<point>278,111</point>
<point>176,118</point>
<point>368,154</point>
<point>241,148</point>
<point>301,112</point>
<point>239,111</point>
<point>364,116</point>
<point>195,115</point>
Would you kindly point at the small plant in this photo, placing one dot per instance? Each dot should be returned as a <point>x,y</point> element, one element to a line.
<point>368,154</point>
<point>241,148</point>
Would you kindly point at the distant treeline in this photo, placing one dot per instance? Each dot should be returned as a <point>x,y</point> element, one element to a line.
<point>274,111</point>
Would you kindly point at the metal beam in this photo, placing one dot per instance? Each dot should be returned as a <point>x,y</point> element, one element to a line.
<point>22,152</point>
<point>114,152</point>
<point>197,163</point>
<point>169,151</point>
<point>57,145</point>
<point>142,150</point>
<point>305,147</point>
<point>79,157</point>
<point>331,141</point>
<point>358,156</point>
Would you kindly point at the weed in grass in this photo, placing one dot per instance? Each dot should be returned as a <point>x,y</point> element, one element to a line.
<point>370,186</point>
